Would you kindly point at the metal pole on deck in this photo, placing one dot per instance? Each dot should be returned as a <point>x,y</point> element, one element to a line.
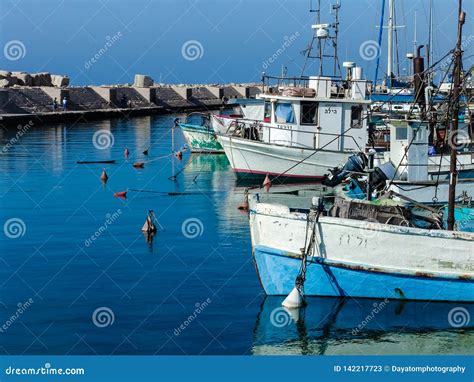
<point>172,151</point>
<point>455,123</point>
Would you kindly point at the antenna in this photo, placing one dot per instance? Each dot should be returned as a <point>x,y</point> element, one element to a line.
<point>321,34</point>
<point>335,12</point>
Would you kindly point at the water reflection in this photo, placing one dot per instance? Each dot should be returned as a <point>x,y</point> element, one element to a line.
<point>363,326</point>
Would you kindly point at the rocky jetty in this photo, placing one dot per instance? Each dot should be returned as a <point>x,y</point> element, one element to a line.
<point>41,96</point>
<point>11,79</point>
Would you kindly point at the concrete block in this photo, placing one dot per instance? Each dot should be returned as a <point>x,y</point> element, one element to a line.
<point>183,91</point>
<point>23,78</point>
<point>217,91</point>
<point>109,95</point>
<point>148,93</point>
<point>142,81</point>
<point>57,93</point>
<point>59,81</point>
<point>42,79</point>
<point>254,91</point>
<point>5,82</point>
<point>244,91</point>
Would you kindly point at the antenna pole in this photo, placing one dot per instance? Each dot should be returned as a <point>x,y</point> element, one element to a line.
<point>455,122</point>
<point>379,42</point>
<point>391,8</point>
<point>430,42</point>
<point>336,8</point>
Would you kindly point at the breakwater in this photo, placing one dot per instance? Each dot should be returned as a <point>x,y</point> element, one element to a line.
<point>21,103</point>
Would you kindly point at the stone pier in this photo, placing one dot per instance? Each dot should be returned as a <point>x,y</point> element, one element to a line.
<point>144,97</point>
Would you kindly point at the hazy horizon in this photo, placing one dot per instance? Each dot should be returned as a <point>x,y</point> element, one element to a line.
<point>206,41</point>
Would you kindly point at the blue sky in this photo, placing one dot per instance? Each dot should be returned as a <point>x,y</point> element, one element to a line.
<point>233,40</point>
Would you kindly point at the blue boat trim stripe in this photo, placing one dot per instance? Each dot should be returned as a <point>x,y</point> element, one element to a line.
<point>364,267</point>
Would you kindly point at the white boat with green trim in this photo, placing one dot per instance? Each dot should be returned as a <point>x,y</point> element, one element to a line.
<point>199,135</point>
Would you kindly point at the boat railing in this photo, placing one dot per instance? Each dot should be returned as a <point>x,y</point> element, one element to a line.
<point>309,87</point>
<point>335,139</point>
<point>253,129</point>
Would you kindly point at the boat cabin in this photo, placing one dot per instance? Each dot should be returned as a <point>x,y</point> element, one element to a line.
<point>317,113</point>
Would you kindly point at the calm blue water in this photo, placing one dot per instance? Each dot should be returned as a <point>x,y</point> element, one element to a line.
<point>120,294</point>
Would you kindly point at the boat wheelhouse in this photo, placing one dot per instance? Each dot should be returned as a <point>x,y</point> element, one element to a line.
<point>311,124</point>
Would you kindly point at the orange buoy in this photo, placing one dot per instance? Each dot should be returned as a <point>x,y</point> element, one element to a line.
<point>139,165</point>
<point>121,194</point>
<point>104,176</point>
<point>243,206</point>
<point>179,155</point>
<point>126,152</point>
<point>267,183</point>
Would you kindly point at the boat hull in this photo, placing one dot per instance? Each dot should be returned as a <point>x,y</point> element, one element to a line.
<point>254,160</point>
<point>362,259</point>
<point>200,139</point>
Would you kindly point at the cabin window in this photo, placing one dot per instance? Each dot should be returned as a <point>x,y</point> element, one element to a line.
<point>309,113</point>
<point>401,133</point>
<point>284,113</point>
<point>267,111</point>
<point>356,117</point>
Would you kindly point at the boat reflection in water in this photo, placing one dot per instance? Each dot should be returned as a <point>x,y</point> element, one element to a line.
<point>364,327</point>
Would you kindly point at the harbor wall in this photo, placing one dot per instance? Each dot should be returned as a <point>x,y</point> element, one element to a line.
<point>24,103</point>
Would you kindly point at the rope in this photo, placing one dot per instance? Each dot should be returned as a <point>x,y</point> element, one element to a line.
<point>155,159</point>
<point>301,278</point>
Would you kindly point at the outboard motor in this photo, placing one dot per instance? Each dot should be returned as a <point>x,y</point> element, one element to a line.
<point>355,163</point>
<point>381,174</point>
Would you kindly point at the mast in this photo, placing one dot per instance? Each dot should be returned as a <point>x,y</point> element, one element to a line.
<point>320,45</point>
<point>391,9</point>
<point>379,42</point>
<point>415,43</point>
<point>454,122</point>
<point>336,8</point>
<point>430,41</point>
<point>322,33</point>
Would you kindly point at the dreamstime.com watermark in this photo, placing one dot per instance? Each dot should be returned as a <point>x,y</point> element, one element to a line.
<point>200,307</point>
<point>288,41</point>
<point>22,308</point>
<point>47,369</point>
<point>192,50</point>
<point>14,228</point>
<point>103,317</point>
<point>109,220</point>
<point>377,308</point>
<point>279,317</point>
<point>192,228</point>
<point>459,317</point>
<point>103,139</point>
<point>14,50</point>
<point>109,43</point>
<point>369,50</point>
<point>22,129</point>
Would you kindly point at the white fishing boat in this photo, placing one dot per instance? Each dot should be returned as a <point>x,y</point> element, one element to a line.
<point>362,257</point>
<point>199,135</point>
<point>413,173</point>
<point>310,123</point>
<point>372,249</point>
<point>199,128</point>
<point>314,124</point>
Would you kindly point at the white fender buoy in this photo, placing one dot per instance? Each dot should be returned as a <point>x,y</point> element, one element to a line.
<point>293,313</point>
<point>293,300</point>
